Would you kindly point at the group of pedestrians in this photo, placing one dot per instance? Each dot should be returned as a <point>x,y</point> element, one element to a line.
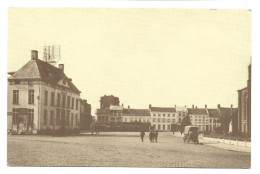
<point>153,136</point>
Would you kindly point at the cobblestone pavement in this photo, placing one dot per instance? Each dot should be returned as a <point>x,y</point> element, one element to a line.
<point>119,150</point>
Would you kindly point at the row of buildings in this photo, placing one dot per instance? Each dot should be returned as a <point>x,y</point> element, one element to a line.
<point>41,97</point>
<point>161,118</point>
<point>222,119</point>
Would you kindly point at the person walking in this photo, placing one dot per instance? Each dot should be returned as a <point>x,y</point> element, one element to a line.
<point>156,136</point>
<point>142,135</point>
<point>151,136</point>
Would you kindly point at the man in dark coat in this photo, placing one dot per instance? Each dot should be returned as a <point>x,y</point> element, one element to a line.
<point>142,135</point>
<point>156,136</point>
<point>151,136</point>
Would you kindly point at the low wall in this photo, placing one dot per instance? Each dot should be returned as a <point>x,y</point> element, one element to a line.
<point>233,142</point>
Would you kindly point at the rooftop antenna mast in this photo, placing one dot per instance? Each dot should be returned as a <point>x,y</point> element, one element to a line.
<point>51,54</point>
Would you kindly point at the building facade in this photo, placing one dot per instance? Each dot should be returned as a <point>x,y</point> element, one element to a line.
<point>136,115</point>
<point>163,117</point>
<point>85,115</point>
<point>41,98</point>
<point>199,117</point>
<point>244,107</point>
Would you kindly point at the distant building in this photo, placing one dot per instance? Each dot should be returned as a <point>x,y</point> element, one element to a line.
<point>213,119</point>
<point>111,114</point>
<point>136,115</point>
<point>41,98</point>
<point>163,117</point>
<point>114,117</point>
<point>226,114</point>
<point>85,115</point>
<point>107,101</point>
<point>244,107</point>
<point>199,117</point>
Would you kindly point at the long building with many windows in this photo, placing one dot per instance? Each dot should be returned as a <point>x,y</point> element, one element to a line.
<point>163,117</point>
<point>41,98</point>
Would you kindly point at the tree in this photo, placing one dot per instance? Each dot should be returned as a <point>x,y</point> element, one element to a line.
<point>185,122</point>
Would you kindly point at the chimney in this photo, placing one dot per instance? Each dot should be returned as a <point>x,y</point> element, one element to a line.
<point>218,106</point>
<point>34,54</point>
<point>128,108</point>
<point>150,106</point>
<point>231,106</point>
<point>205,106</point>
<point>196,107</point>
<point>192,106</point>
<point>231,109</point>
<point>61,66</point>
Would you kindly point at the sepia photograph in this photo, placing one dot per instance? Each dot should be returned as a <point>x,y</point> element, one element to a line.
<point>129,87</point>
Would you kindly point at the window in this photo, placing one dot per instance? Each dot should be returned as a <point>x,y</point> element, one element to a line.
<point>179,119</point>
<point>159,120</point>
<point>63,117</point>
<point>15,116</point>
<point>168,120</point>
<point>163,114</point>
<point>72,103</point>
<point>71,119</point>
<point>76,121</point>
<point>68,118</point>
<point>58,117</point>
<point>45,97</point>
<point>168,127</point>
<point>77,104</point>
<point>58,99</point>
<point>68,101</point>
<point>51,118</point>
<point>168,115</point>
<point>154,114</point>
<point>15,96</point>
<point>159,114</point>
<point>173,120</point>
<point>63,100</point>
<point>163,127</point>
<point>179,114</point>
<point>45,117</point>
<point>163,120</point>
<point>52,98</point>
<point>31,118</point>
<point>31,96</point>
<point>159,126</point>
<point>125,119</point>
<point>154,119</point>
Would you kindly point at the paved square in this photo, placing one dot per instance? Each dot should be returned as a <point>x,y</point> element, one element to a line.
<point>119,150</point>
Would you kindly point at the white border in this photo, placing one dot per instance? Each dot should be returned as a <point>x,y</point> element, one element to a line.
<point>220,4</point>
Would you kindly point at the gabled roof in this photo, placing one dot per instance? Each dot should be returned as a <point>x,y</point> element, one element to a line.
<point>39,70</point>
<point>213,113</point>
<point>225,112</point>
<point>160,109</point>
<point>136,111</point>
<point>198,111</point>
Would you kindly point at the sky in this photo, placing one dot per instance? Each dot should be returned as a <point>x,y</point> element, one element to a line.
<point>163,57</point>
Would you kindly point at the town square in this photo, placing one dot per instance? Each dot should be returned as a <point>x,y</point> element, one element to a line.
<point>114,87</point>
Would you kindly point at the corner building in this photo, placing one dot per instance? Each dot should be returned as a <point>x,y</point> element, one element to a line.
<point>41,98</point>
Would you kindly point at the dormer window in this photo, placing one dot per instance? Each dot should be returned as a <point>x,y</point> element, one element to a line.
<point>64,82</point>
